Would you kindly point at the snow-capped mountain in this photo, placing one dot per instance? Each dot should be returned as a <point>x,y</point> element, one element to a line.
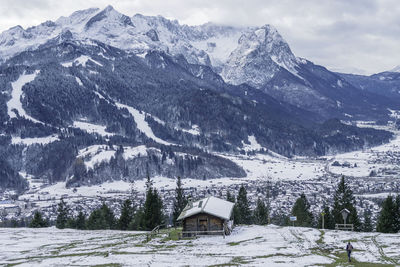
<point>99,95</point>
<point>137,34</point>
<point>395,69</point>
<point>257,56</point>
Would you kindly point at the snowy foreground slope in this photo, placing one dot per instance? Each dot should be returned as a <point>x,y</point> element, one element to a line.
<point>251,245</point>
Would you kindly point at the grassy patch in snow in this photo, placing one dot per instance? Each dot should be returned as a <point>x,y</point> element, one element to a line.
<point>242,241</point>
<point>172,234</point>
<point>321,237</point>
<point>235,261</point>
<point>341,260</point>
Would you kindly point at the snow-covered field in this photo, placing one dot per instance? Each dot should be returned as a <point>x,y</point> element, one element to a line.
<point>373,159</point>
<point>248,245</point>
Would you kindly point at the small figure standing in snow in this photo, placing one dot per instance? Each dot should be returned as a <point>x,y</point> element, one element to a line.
<point>349,249</point>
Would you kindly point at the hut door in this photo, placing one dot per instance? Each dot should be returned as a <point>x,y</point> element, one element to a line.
<point>203,223</point>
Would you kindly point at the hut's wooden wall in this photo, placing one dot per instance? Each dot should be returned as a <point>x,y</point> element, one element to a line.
<point>202,222</point>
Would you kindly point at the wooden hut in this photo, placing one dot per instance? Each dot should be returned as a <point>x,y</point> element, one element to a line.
<point>207,216</point>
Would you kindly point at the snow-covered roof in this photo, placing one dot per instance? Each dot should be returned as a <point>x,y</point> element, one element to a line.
<point>210,205</point>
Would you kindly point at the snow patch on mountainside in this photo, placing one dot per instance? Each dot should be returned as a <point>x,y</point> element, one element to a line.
<point>195,130</point>
<point>81,60</point>
<point>134,152</point>
<point>142,124</point>
<point>219,47</point>
<point>95,155</point>
<point>34,140</point>
<point>79,81</point>
<point>16,95</point>
<point>253,146</point>
<point>92,128</point>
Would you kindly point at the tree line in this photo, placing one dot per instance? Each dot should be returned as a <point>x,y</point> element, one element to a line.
<point>150,214</point>
<point>388,219</point>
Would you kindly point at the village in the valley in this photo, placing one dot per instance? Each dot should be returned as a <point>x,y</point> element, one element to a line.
<point>372,174</point>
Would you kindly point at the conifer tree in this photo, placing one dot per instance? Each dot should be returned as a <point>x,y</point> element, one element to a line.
<point>301,209</point>
<point>367,225</point>
<point>126,215</point>
<point>387,217</point>
<point>397,214</point>
<point>244,212</point>
<point>179,202</point>
<point>101,218</point>
<point>96,220</point>
<point>152,213</point>
<point>137,223</point>
<point>344,199</point>
<point>109,216</point>
<point>80,221</point>
<point>230,197</point>
<point>38,221</point>
<point>261,213</point>
<point>62,215</point>
<point>235,212</point>
<point>329,222</point>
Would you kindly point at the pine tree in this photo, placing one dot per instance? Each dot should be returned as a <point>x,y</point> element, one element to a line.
<point>261,213</point>
<point>344,199</point>
<point>108,215</point>
<point>137,223</point>
<point>152,213</point>
<point>329,221</point>
<point>80,223</point>
<point>230,197</point>
<point>387,217</point>
<point>179,202</point>
<point>96,220</point>
<point>133,195</point>
<point>126,217</point>
<point>101,218</point>
<point>62,215</point>
<point>367,225</point>
<point>149,183</point>
<point>301,209</point>
<point>244,212</point>
<point>235,212</point>
<point>38,221</point>
<point>397,214</point>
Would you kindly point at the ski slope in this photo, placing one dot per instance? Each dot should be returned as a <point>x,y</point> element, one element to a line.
<point>142,124</point>
<point>248,246</point>
<point>15,102</point>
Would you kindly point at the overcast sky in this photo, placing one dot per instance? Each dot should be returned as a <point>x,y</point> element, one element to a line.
<point>359,36</point>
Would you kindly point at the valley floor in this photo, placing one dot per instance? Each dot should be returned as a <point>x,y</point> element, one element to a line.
<point>248,245</point>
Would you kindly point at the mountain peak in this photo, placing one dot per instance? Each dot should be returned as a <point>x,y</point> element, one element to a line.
<point>109,15</point>
<point>109,8</point>
<point>396,69</point>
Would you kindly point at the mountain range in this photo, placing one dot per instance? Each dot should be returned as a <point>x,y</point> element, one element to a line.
<point>100,96</point>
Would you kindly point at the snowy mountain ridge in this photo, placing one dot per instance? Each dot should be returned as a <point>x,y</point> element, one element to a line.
<point>395,69</point>
<point>256,56</point>
<point>207,44</point>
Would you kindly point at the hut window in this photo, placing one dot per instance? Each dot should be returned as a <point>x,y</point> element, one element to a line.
<point>200,203</point>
